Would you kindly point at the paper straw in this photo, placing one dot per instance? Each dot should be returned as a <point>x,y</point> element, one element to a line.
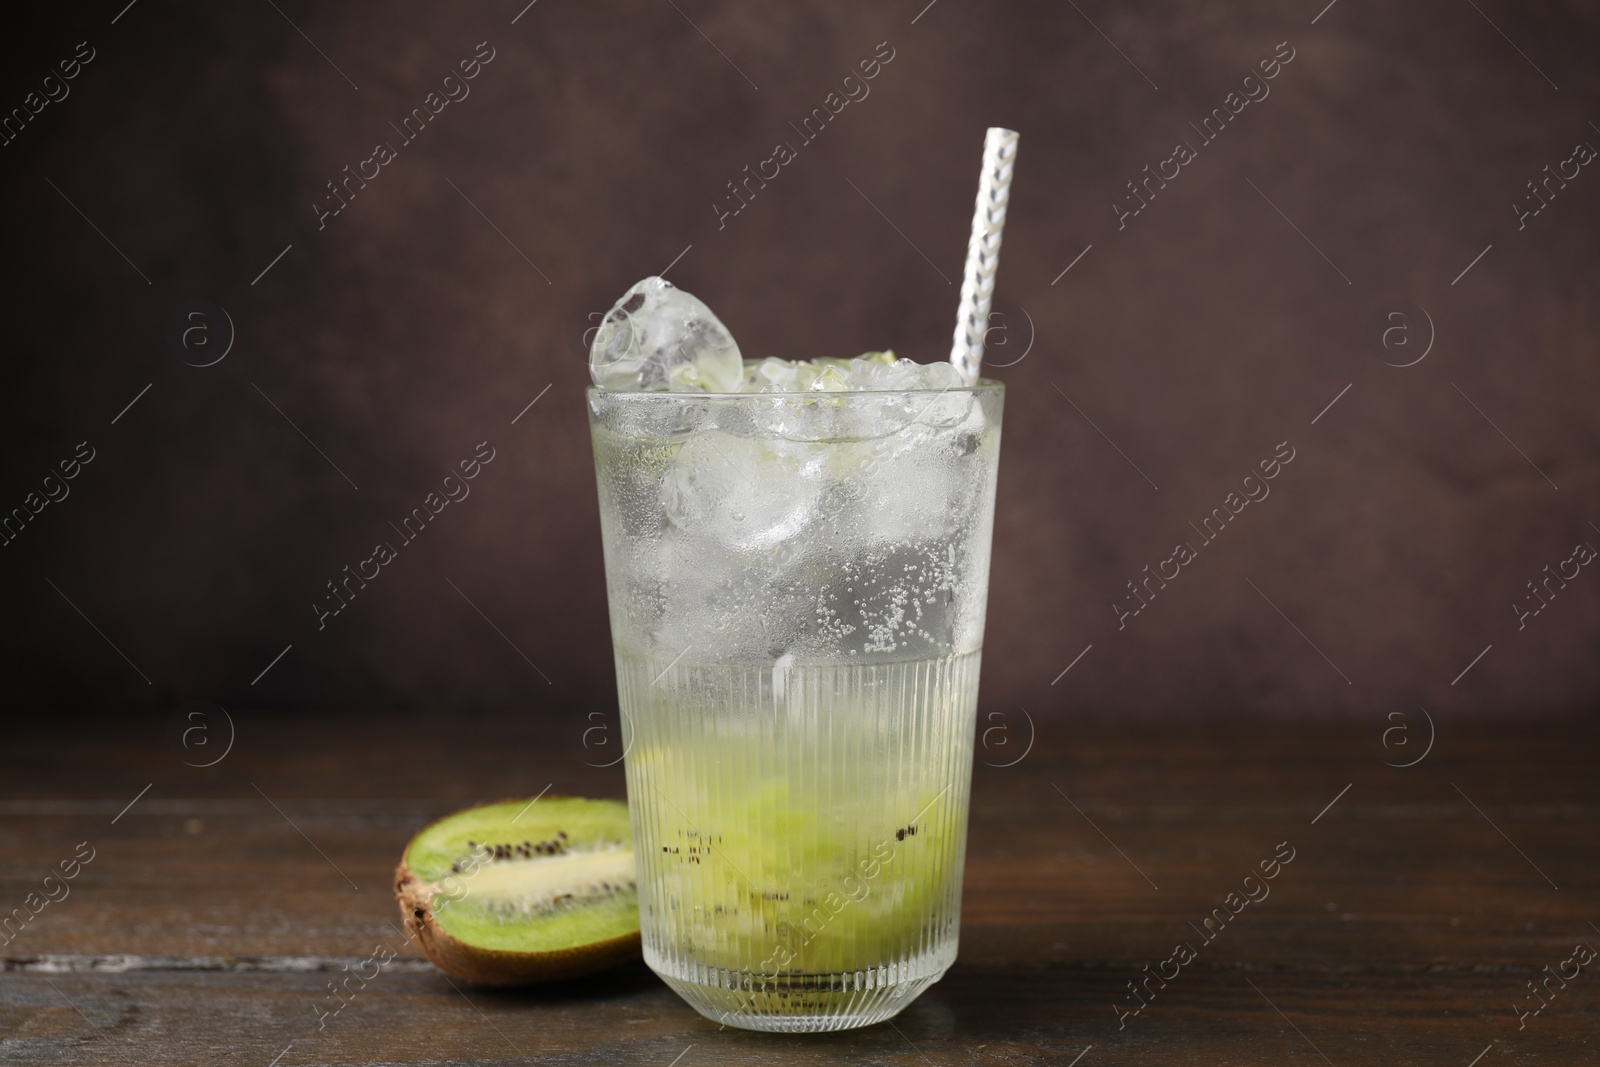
<point>983,251</point>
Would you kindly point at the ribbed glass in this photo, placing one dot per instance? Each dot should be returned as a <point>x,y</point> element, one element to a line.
<point>797,586</point>
<point>800,843</point>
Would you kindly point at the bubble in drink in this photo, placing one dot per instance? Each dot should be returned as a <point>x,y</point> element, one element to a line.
<point>658,337</point>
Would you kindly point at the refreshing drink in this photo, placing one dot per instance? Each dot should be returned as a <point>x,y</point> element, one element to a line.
<point>797,560</point>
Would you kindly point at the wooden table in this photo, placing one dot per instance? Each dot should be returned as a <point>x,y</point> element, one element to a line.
<point>1420,902</point>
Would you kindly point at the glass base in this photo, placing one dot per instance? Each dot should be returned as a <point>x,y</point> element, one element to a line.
<point>800,1003</point>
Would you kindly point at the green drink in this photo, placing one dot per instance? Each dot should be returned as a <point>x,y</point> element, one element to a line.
<point>797,584</point>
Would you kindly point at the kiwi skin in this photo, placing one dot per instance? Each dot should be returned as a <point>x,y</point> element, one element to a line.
<point>499,967</point>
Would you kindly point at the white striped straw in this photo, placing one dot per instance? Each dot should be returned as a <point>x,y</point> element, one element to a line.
<point>983,251</point>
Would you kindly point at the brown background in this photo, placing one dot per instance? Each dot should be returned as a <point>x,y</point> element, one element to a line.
<point>1196,339</point>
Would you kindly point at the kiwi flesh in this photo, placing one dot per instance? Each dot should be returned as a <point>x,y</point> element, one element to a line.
<point>518,891</point>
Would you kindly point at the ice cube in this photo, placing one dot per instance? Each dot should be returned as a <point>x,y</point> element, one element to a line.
<point>773,375</point>
<point>905,374</point>
<point>741,518</point>
<point>831,380</point>
<point>658,337</point>
<point>747,493</point>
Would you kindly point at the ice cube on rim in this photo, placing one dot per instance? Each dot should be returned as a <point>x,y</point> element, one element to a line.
<point>658,337</point>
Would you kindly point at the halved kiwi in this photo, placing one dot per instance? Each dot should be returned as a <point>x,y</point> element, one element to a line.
<point>523,891</point>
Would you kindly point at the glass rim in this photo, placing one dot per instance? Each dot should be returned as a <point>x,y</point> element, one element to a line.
<point>982,385</point>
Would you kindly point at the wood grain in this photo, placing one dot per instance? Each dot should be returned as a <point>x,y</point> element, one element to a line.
<point>1416,910</point>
